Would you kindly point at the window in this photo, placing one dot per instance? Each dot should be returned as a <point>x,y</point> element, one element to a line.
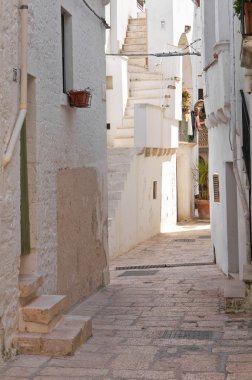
<point>66,50</point>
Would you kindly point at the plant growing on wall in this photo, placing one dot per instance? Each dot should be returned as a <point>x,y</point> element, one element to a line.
<point>238,7</point>
<point>186,101</point>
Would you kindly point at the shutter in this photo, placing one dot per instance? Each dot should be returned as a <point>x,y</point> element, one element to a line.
<point>216,188</point>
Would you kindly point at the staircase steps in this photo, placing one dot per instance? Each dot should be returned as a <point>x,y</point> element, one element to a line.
<point>136,40</point>
<point>136,34</point>
<point>28,286</point>
<point>137,27</point>
<point>42,327</point>
<point>137,21</point>
<point>66,337</point>
<point>43,309</point>
<point>134,48</point>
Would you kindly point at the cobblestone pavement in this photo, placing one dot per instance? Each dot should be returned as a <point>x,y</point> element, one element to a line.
<point>156,323</point>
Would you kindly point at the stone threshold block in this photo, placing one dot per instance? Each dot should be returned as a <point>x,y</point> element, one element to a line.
<point>43,309</point>
<point>234,294</point>
<point>70,332</point>
<point>28,286</point>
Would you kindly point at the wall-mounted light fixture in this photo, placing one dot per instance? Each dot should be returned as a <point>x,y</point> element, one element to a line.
<point>162,24</point>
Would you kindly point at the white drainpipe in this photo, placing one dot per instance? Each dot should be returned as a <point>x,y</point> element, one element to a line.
<point>23,87</point>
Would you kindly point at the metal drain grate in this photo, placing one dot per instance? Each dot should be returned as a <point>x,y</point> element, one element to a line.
<point>139,273</point>
<point>187,334</point>
<point>163,266</point>
<point>184,240</point>
<point>205,237</point>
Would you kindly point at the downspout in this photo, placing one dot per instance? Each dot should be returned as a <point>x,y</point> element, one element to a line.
<point>242,192</point>
<point>23,86</point>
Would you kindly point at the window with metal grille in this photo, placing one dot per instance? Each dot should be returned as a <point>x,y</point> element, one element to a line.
<point>200,93</point>
<point>216,188</point>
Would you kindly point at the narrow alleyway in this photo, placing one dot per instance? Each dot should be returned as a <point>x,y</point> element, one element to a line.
<point>163,320</point>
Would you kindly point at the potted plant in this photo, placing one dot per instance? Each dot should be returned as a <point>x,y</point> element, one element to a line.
<point>200,174</point>
<point>186,101</point>
<point>247,14</point>
<point>80,98</point>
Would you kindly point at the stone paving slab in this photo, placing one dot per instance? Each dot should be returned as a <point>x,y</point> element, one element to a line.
<point>133,319</point>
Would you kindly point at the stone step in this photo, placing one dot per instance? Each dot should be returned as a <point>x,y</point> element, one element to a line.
<point>247,273</point>
<point>146,93</point>
<point>116,176</point>
<point>118,167</point>
<point>128,122</point>
<point>129,111</point>
<point>146,84</point>
<point>136,34</point>
<point>141,15</point>
<point>144,76</point>
<point>137,21</point>
<point>124,142</point>
<point>115,186</point>
<point>155,100</point>
<point>134,48</point>
<point>137,61</point>
<point>43,309</point>
<point>114,195</point>
<point>29,284</point>
<point>33,327</point>
<point>137,69</point>
<point>136,40</point>
<point>67,336</point>
<point>137,28</point>
<point>234,289</point>
<point>125,132</point>
<point>112,206</point>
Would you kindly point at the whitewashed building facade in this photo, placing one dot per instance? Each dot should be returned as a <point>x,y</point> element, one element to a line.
<point>227,101</point>
<point>143,114</point>
<point>60,247</point>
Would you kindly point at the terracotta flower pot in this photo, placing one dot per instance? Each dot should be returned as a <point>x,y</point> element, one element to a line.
<point>80,98</point>
<point>203,208</point>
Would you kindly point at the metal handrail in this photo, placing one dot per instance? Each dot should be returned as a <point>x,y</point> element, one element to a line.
<point>246,136</point>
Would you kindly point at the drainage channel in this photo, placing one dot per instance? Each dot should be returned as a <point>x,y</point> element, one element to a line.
<point>153,266</point>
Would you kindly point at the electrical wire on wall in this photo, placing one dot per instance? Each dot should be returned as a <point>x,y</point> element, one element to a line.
<point>102,19</point>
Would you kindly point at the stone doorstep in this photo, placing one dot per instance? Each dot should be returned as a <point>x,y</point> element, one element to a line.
<point>66,337</point>
<point>234,289</point>
<point>29,284</point>
<point>247,273</point>
<point>34,327</point>
<point>44,308</point>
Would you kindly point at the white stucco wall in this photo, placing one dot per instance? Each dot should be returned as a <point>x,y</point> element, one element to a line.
<point>9,179</point>
<point>66,138</point>
<point>138,215</point>
<point>153,129</point>
<point>223,81</point>
<point>117,69</point>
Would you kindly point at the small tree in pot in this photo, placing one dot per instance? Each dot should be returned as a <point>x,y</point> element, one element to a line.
<point>200,175</point>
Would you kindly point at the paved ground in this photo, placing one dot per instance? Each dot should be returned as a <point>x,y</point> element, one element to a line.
<point>160,323</point>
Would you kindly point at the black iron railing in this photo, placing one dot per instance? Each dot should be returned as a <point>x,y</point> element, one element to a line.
<point>246,136</point>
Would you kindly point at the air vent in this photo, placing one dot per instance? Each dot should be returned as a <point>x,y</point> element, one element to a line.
<point>216,188</point>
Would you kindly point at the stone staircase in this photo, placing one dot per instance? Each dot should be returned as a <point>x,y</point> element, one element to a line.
<point>119,164</point>
<point>144,86</point>
<point>43,329</point>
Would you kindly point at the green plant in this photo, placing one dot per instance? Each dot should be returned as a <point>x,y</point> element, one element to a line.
<point>200,175</point>
<point>238,7</point>
<point>186,100</point>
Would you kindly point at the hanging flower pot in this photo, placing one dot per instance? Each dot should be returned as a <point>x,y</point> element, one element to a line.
<point>80,98</point>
